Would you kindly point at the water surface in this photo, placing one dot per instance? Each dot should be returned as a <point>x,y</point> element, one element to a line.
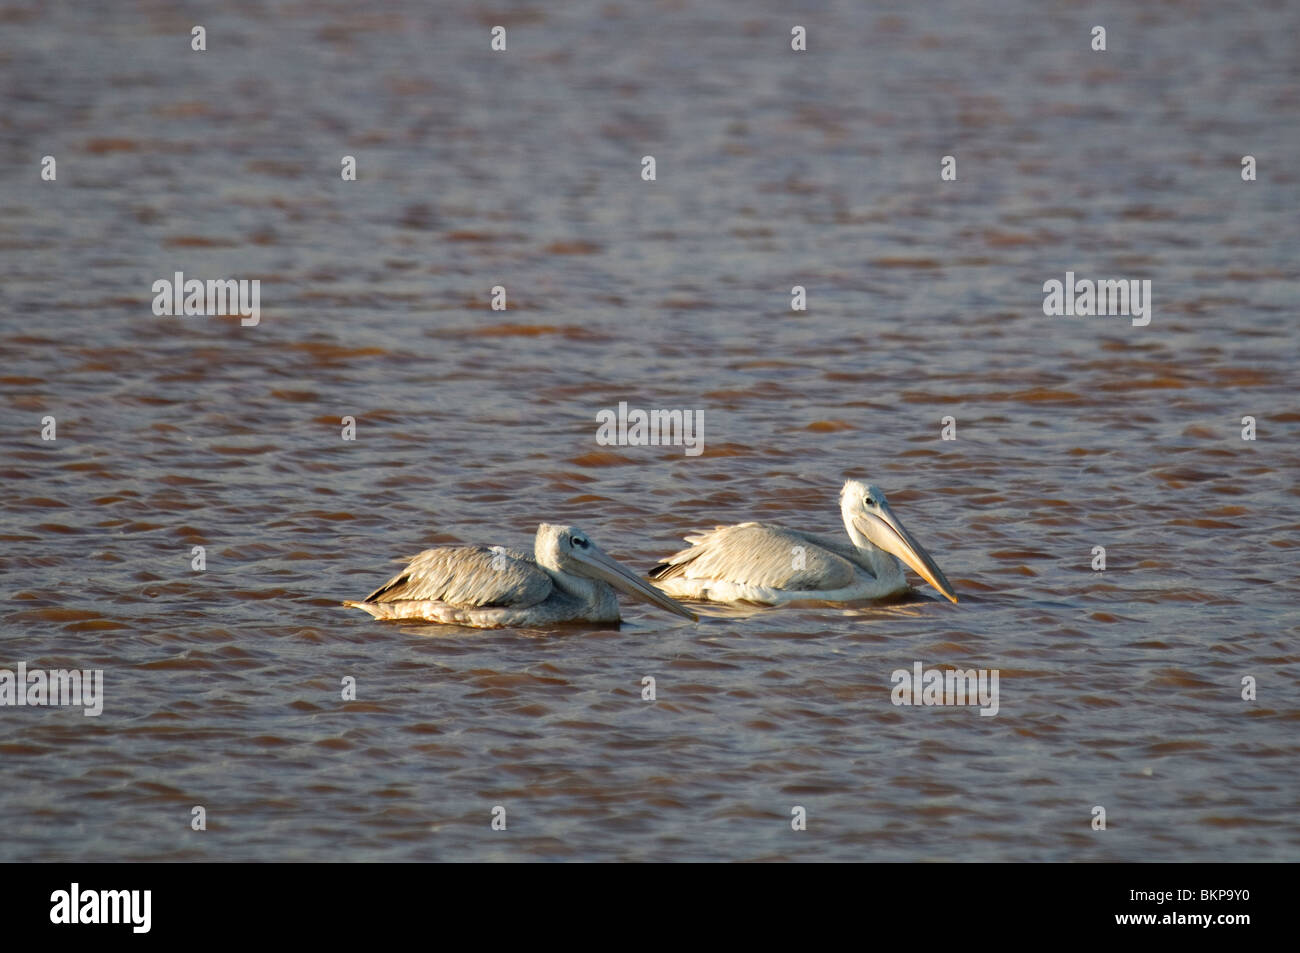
<point>1118,688</point>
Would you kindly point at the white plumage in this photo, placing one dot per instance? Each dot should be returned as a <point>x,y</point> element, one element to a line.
<point>567,579</point>
<point>771,565</point>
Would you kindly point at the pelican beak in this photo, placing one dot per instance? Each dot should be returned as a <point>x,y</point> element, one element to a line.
<point>604,567</point>
<point>888,533</point>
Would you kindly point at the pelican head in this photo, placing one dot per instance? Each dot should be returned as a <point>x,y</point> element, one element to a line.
<point>869,520</point>
<point>567,549</point>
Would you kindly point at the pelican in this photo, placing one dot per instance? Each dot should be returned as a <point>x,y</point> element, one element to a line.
<point>771,565</point>
<point>567,579</point>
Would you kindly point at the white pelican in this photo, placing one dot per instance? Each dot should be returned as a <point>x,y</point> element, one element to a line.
<point>567,579</point>
<point>772,565</point>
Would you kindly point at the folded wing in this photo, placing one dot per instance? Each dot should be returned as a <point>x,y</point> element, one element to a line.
<point>468,576</point>
<point>759,554</point>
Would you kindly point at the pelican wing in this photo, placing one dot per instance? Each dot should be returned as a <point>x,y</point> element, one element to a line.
<point>468,576</point>
<point>758,554</point>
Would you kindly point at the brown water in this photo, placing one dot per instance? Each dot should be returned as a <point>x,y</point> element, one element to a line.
<point>1118,688</point>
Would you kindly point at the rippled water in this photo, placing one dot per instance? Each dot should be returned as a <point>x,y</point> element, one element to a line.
<point>1119,688</point>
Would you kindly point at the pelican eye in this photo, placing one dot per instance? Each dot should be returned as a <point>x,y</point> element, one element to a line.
<point>579,541</point>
